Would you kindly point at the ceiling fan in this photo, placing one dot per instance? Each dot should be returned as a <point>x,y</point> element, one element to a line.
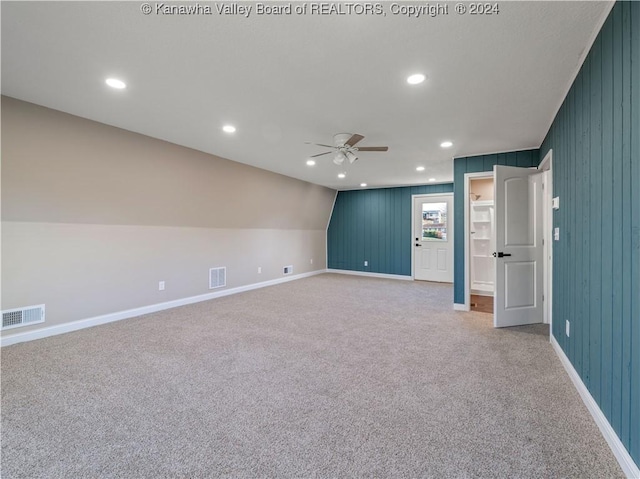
<point>344,148</point>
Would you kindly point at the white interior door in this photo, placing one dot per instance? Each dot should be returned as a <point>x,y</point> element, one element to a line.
<point>433,238</point>
<point>519,250</point>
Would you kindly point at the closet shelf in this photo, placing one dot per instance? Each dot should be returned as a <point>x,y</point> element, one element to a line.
<point>482,262</point>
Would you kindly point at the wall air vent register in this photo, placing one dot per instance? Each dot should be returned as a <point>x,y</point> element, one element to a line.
<point>217,277</point>
<point>14,318</point>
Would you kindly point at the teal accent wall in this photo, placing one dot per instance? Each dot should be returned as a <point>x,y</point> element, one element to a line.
<point>374,225</point>
<point>476,164</point>
<point>595,139</point>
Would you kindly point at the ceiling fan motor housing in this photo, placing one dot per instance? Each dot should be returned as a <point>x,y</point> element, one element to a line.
<point>341,138</point>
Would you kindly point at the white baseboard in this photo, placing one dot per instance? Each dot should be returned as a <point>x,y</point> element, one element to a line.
<point>371,275</point>
<point>130,313</point>
<point>460,307</point>
<point>629,467</point>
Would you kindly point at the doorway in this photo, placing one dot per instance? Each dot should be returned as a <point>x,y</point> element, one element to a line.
<point>480,279</point>
<point>482,244</point>
<point>432,237</point>
<point>479,241</point>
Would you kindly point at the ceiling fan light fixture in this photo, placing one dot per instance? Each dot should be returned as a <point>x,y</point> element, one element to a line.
<point>339,158</point>
<point>351,157</point>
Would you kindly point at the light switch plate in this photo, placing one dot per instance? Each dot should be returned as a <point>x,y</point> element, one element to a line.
<point>556,203</point>
<point>556,234</point>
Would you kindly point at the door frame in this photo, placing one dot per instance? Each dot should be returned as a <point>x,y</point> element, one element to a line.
<point>467,237</point>
<point>546,166</point>
<point>413,218</point>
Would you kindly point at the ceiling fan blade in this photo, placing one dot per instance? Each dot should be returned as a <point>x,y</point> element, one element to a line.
<point>355,138</point>
<point>373,148</point>
<point>318,144</point>
<point>321,154</point>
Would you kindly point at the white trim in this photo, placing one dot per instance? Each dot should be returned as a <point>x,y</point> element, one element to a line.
<point>371,275</point>
<point>461,307</point>
<point>131,313</point>
<point>401,185</point>
<point>629,467</point>
<point>546,165</point>
<point>500,152</point>
<point>467,236</point>
<point>413,229</point>
<point>548,158</point>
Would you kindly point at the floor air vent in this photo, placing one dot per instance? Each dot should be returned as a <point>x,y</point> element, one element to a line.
<point>217,277</point>
<point>14,318</point>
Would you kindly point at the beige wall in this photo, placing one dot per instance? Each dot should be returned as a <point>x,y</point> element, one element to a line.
<point>94,216</point>
<point>482,187</point>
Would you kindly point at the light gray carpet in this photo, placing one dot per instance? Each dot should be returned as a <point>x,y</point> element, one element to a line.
<point>330,376</point>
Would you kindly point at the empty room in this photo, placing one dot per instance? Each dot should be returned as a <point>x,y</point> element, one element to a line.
<point>320,239</point>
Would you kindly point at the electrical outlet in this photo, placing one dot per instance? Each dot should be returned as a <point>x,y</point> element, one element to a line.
<point>259,269</point>
<point>366,263</point>
<point>287,270</point>
<point>161,286</point>
<point>568,328</point>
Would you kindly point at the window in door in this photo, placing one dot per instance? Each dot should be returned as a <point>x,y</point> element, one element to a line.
<point>434,221</point>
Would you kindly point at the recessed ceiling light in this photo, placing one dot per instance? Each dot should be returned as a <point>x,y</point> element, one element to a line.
<point>432,179</point>
<point>446,144</point>
<point>363,184</point>
<point>420,168</point>
<point>341,175</point>
<point>415,79</point>
<point>311,162</point>
<point>115,83</point>
<point>229,129</point>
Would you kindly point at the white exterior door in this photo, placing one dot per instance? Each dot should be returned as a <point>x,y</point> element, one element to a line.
<point>433,238</point>
<point>519,249</point>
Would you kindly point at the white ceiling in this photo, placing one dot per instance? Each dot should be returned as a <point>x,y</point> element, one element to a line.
<point>494,82</point>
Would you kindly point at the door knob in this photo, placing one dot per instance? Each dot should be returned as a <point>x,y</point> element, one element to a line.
<point>500,254</point>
